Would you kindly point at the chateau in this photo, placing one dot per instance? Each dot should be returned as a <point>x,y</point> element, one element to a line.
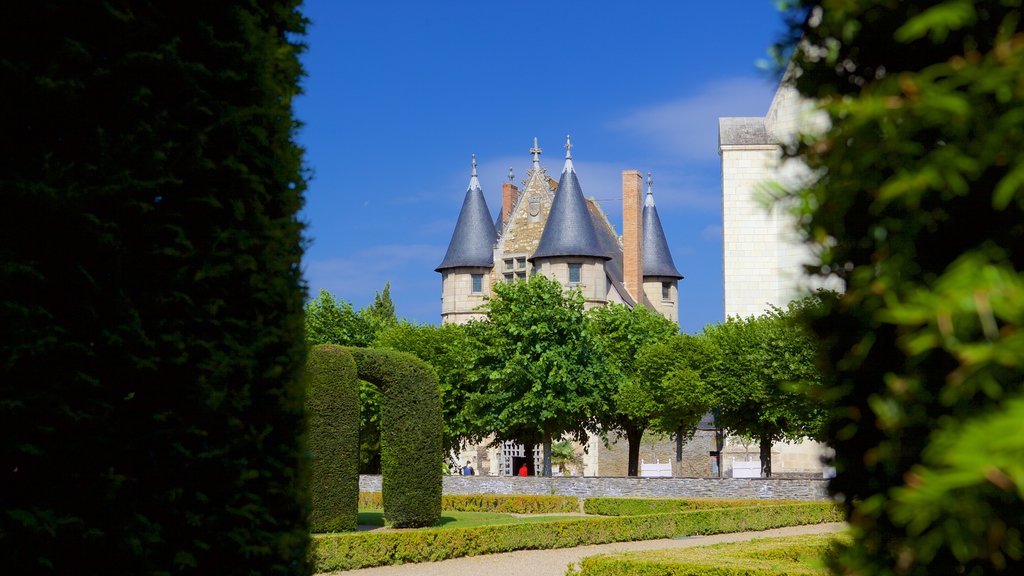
<point>548,227</point>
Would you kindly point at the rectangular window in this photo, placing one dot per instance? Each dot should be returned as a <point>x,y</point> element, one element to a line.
<point>574,273</point>
<point>521,275</point>
<point>521,262</point>
<point>509,276</point>
<point>508,263</point>
<point>478,283</point>
<point>666,290</point>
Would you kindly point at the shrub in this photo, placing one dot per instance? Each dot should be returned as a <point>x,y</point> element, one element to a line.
<point>608,506</point>
<point>365,549</point>
<point>151,402</point>
<point>332,405</point>
<point>797,555</point>
<point>410,434</point>
<point>506,503</point>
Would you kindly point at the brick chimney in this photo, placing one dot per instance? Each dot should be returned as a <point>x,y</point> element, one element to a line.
<point>632,233</point>
<point>509,197</point>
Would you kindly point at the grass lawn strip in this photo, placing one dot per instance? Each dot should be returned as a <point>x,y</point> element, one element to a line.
<point>797,555</point>
<point>456,519</point>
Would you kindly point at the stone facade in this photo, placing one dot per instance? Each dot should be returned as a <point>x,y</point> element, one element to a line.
<point>592,487</point>
<point>763,257</point>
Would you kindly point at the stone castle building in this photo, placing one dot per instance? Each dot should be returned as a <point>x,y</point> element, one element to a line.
<point>762,256</point>
<point>548,227</point>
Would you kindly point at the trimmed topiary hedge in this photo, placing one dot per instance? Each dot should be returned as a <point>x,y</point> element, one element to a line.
<point>411,430</point>
<point>332,406</point>
<point>791,555</point>
<point>151,338</point>
<point>366,549</point>
<point>612,506</point>
<point>506,503</point>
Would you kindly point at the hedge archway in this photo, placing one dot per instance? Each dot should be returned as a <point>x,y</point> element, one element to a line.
<point>411,430</point>
<point>332,406</point>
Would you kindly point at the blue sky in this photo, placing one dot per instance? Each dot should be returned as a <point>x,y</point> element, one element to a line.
<point>399,94</point>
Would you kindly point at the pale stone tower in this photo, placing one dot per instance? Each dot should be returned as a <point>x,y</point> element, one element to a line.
<point>466,268</point>
<point>661,279</point>
<point>569,250</point>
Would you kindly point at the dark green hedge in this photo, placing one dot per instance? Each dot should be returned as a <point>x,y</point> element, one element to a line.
<point>332,403</point>
<point>411,430</point>
<point>506,503</point>
<point>610,506</point>
<point>365,549</point>
<point>151,345</point>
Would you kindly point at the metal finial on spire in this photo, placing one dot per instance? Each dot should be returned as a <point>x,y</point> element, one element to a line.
<point>650,181</point>
<point>474,165</point>
<point>511,176</point>
<point>649,200</point>
<point>568,147</point>
<point>535,151</point>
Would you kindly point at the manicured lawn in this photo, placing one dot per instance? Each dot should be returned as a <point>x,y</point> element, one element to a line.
<point>794,555</point>
<point>452,519</point>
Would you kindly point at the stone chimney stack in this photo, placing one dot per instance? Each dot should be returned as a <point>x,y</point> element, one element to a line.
<point>509,197</point>
<point>632,233</point>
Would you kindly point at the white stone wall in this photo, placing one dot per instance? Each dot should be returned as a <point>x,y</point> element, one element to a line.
<point>593,278</point>
<point>763,257</point>
<point>458,301</point>
<point>668,308</point>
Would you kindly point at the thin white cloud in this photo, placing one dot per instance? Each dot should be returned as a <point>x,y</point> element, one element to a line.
<point>688,127</point>
<point>358,276</point>
<point>712,232</point>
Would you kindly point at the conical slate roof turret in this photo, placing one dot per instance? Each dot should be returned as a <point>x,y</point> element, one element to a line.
<point>473,240</point>
<point>657,258</point>
<point>569,230</point>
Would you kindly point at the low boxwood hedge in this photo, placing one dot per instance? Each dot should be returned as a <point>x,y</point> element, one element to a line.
<point>791,555</point>
<point>366,549</point>
<point>611,506</point>
<point>506,503</point>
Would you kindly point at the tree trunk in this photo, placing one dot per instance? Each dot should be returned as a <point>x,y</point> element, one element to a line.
<point>679,451</point>
<point>547,455</point>
<point>633,436</point>
<point>766,455</point>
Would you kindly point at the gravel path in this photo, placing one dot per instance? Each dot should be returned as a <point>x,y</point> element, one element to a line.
<point>555,562</point>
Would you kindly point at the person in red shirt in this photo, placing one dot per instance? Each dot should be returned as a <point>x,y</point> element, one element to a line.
<point>523,471</point>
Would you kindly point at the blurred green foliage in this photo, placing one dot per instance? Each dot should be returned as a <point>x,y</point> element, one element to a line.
<point>916,204</point>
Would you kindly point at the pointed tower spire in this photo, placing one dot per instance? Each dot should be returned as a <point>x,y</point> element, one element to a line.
<point>569,230</point>
<point>568,156</point>
<point>656,256</point>
<point>472,243</point>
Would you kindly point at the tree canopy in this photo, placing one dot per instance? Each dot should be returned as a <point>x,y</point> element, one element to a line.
<point>623,332</point>
<point>540,375</point>
<point>766,366</point>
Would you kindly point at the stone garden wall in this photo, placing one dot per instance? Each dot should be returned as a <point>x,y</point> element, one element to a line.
<point>586,487</point>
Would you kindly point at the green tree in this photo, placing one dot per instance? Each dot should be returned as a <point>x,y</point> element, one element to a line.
<point>332,321</point>
<point>672,381</point>
<point>766,367</point>
<point>622,332</point>
<point>448,348</point>
<point>381,314</point>
<point>918,208</point>
<point>538,373</point>
<point>151,405</point>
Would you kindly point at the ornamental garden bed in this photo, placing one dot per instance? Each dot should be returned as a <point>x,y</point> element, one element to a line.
<point>346,551</point>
